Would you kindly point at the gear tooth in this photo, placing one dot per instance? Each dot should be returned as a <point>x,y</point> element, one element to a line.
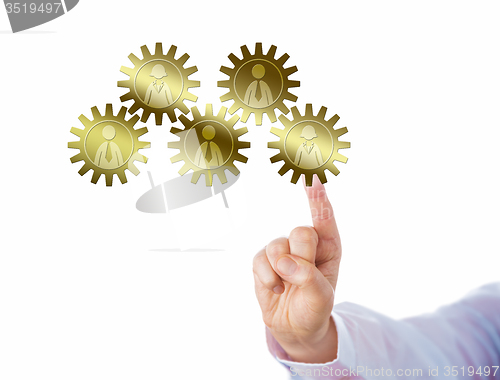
<point>178,157</point>
<point>74,145</point>
<point>128,96</point>
<point>191,70</point>
<point>121,114</point>
<point>126,70</point>
<point>209,110</point>
<point>322,113</point>
<point>139,157</point>
<point>123,83</point>
<point>235,108</point>
<point>133,169</point>
<point>272,52</point>
<point>258,118</point>
<point>272,116</point>
<point>171,113</point>
<point>233,121</point>
<point>226,70</point>
<point>158,49</point>
<point>122,177</point>
<point>343,145</point>
<point>143,145</point>
<point>244,116</point>
<point>285,168</point>
<point>158,118</point>
<point>133,120</point>
<point>341,158</point>
<point>193,83</point>
<point>195,177</point>
<point>109,179</point>
<point>293,83</point>
<point>184,120</point>
<point>295,113</point>
<point>322,176</point>
<point>208,178</point>
<point>309,110</point>
<point>222,176</point>
<point>258,49</point>
<point>234,59</point>
<point>175,130</point>
<point>224,83</point>
<point>95,113</point>
<point>283,59</point>
<point>222,114</point>
<point>182,107</point>
<point>233,169</point>
<point>245,51</point>
<point>244,145</point>
<point>76,131</point>
<point>296,176</point>
<point>136,61</point>
<point>284,109</point>
<point>333,168</point>
<point>309,178</point>
<point>95,176</point>
<point>145,115</point>
<point>145,52</point>
<point>77,157</point>
<point>240,131</point>
<point>134,109</point>
<point>273,144</point>
<point>341,131</point>
<point>283,119</point>
<point>333,120</point>
<point>84,169</point>
<point>241,158</point>
<point>277,158</point>
<point>185,168</point>
<point>182,60</point>
<point>171,51</point>
<point>290,70</point>
<point>196,113</point>
<point>291,97</point>
<point>191,97</point>
<point>276,131</point>
<point>109,110</point>
<point>226,97</point>
<point>141,131</point>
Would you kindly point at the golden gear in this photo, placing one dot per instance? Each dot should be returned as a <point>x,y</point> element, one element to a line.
<point>148,89</point>
<point>209,144</point>
<point>299,149</point>
<point>258,83</point>
<point>109,144</point>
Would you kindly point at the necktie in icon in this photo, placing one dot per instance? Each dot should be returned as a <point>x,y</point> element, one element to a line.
<point>258,91</point>
<point>109,154</point>
<point>208,153</point>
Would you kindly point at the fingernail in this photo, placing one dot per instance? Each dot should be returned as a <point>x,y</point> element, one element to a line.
<point>278,289</point>
<point>286,266</point>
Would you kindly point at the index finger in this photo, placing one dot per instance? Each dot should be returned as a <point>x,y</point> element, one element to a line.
<point>322,216</point>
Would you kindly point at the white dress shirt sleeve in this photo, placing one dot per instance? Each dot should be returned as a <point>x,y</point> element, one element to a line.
<point>458,341</point>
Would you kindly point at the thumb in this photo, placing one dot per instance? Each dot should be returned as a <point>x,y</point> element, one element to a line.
<point>306,276</point>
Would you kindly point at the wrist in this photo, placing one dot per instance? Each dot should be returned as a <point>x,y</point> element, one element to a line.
<point>318,347</point>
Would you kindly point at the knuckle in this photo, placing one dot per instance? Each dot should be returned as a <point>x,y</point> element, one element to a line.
<point>304,234</point>
<point>278,247</point>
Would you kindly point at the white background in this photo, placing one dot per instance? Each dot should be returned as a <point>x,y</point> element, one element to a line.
<point>90,288</point>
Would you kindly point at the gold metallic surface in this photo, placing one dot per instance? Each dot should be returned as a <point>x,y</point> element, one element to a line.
<point>158,83</point>
<point>258,83</point>
<point>309,144</point>
<point>109,144</point>
<point>209,144</point>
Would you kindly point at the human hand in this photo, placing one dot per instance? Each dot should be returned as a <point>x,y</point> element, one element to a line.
<point>295,281</point>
